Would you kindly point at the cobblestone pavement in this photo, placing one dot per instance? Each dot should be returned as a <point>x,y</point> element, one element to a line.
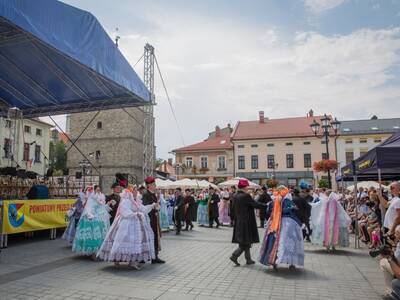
<point>197,268</point>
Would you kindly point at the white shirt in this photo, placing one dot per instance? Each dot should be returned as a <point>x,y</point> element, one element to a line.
<point>391,213</point>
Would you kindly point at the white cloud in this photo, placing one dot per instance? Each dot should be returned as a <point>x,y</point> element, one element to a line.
<point>319,6</point>
<point>217,72</point>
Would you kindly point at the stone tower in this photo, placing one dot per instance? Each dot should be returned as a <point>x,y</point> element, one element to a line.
<point>113,142</point>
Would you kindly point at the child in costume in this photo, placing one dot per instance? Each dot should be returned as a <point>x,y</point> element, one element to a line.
<point>75,215</point>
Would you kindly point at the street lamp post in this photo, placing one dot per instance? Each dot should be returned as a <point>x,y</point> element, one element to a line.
<point>327,124</point>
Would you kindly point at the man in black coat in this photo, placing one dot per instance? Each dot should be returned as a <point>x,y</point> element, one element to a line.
<point>149,197</point>
<point>245,230</point>
<point>263,198</point>
<point>179,210</point>
<point>190,209</point>
<point>113,200</point>
<point>303,211</point>
<point>213,213</point>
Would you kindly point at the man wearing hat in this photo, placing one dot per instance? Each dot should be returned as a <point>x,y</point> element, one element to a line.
<point>179,210</point>
<point>113,200</point>
<point>263,198</point>
<point>302,200</point>
<point>149,197</point>
<point>245,230</point>
<point>213,212</point>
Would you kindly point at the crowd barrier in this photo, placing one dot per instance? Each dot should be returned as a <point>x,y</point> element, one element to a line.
<point>18,216</point>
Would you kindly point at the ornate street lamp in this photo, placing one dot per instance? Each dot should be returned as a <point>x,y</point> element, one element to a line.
<point>326,123</point>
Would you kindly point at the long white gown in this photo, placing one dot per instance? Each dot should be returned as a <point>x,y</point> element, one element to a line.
<point>130,238</point>
<point>329,222</point>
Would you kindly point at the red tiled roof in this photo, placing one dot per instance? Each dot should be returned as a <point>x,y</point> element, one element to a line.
<point>275,128</point>
<point>222,142</point>
<point>63,137</point>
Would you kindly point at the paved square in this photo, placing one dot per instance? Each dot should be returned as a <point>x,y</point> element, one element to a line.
<point>197,268</point>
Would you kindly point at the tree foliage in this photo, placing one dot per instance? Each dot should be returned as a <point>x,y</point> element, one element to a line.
<point>58,157</point>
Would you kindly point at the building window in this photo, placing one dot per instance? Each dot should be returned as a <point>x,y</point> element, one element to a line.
<point>363,141</point>
<point>26,152</point>
<point>292,182</point>
<point>289,144</point>
<point>254,146</point>
<point>8,123</point>
<point>271,161</point>
<point>349,141</point>
<point>240,146</point>
<point>99,125</point>
<point>254,161</point>
<point>377,140</point>
<point>189,162</point>
<point>204,162</point>
<point>241,162</point>
<point>270,145</point>
<point>221,162</point>
<point>7,148</point>
<point>98,154</point>
<point>307,143</point>
<point>324,155</point>
<point>349,156</point>
<point>307,160</point>
<point>27,129</point>
<point>37,153</point>
<point>38,132</point>
<point>289,161</point>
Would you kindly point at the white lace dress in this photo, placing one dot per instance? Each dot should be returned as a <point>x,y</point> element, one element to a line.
<point>130,238</point>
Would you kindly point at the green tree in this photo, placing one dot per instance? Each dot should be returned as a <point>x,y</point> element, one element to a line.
<point>58,157</point>
<point>158,162</point>
<point>323,183</point>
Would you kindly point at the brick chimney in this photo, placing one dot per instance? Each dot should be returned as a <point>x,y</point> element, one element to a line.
<point>261,116</point>
<point>217,131</point>
<point>311,113</point>
<point>170,161</point>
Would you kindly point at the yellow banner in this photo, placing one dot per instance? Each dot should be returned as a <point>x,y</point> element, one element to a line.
<point>31,215</point>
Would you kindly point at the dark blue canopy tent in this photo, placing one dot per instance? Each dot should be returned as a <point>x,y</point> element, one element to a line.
<point>380,163</point>
<point>58,59</point>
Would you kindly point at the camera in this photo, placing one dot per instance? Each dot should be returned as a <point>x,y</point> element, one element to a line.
<point>385,249</point>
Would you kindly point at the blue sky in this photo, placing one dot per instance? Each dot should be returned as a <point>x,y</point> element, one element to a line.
<point>225,60</point>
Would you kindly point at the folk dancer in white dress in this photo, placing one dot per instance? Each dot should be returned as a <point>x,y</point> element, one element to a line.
<point>130,238</point>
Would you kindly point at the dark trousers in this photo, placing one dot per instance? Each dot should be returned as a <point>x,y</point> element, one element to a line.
<point>307,232</point>
<point>212,219</point>
<point>262,218</point>
<point>242,248</point>
<point>178,226</point>
<point>188,224</point>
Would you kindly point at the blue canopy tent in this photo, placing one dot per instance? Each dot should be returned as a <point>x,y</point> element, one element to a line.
<point>57,59</point>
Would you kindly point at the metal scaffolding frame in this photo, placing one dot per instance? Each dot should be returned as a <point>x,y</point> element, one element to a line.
<point>148,129</point>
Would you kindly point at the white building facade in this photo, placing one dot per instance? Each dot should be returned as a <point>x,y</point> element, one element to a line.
<point>25,144</point>
<point>359,136</point>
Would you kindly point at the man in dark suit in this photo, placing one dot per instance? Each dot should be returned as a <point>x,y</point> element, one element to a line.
<point>245,230</point>
<point>213,213</point>
<point>179,210</point>
<point>264,198</point>
<point>231,212</point>
<point>113,200</point>
<point>149,197</point>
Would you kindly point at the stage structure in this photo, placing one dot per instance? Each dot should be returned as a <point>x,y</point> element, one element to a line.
<point>63,62</point>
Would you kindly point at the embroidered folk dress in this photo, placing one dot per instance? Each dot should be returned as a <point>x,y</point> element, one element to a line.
<point>130,238</point>
<point>283,240</point>
<point>164,219</point>
<point>202,210</point>
<point>93,226</point>
<point>70,231</point>
<point>329,222</point>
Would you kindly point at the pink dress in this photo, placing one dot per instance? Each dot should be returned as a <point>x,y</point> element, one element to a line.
<point>224,212</point>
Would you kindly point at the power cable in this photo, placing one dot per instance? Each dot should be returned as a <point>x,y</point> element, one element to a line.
<point>169,101</point>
